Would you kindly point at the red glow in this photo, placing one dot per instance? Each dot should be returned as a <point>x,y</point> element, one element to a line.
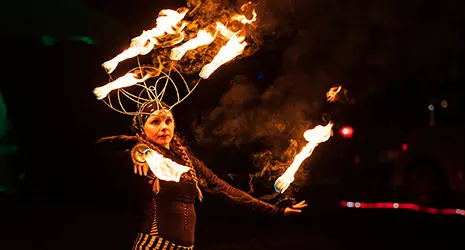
<point>404,147</point>
<point>357,160</point>
<point>346,131</point>
<point>409,206</point>
<point>431,124</point>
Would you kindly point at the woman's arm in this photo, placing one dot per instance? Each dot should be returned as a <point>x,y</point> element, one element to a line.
<point>235,195</point>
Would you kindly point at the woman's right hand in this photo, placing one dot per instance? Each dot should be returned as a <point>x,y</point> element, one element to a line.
<point>141,169</point>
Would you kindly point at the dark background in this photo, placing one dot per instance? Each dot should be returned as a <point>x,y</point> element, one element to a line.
<point>59,191</point>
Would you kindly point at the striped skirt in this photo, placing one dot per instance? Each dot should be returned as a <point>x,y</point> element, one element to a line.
<point>153,242</point>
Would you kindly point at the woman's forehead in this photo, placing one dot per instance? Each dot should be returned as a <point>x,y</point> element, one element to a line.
<point>162,113</point>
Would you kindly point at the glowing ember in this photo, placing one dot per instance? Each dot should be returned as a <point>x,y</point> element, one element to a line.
<point>331,96</point>
<point>314,137</point>
<point>125,81</point>
<point>164,168</point>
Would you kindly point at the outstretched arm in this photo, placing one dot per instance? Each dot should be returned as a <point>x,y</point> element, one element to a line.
<point>219,186</point>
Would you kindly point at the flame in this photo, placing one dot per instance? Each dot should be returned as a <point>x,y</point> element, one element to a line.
<point>125,81</point>
<point>234,47</point>
<point>203,38</point>
<point>314,137</point>
<point>168,22</point>
<point>164,168</point>
<point>224,31</point>
<point>331,96</point>
<point>171,29</point>
<point>243,19</point>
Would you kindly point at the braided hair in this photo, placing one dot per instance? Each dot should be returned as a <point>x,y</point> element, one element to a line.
<point>182,151</point>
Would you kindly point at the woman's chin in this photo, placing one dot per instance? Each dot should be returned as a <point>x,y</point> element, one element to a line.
<point>164,142</point>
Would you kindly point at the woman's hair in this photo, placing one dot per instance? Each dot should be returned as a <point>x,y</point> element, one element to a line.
<point>182,151</point>
<point>144,113</point>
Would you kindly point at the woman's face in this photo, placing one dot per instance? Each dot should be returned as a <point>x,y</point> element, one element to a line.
<point>159,128</point>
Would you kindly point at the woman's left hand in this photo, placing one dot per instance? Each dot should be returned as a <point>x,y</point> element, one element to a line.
<point>295,209</point>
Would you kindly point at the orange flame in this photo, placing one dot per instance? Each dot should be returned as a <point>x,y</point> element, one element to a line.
<point>170,22</point>
<point>243,19</point>
<point>124,81</point>
<point>314,137</point>
<point>203,38</point>
<point>331,96</point>
<point>234,47</point>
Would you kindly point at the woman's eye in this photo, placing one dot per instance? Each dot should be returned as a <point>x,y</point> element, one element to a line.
<point>156,122</point>
<point>168,121</point>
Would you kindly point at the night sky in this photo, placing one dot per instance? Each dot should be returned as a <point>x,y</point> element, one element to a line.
<point>394,57</point>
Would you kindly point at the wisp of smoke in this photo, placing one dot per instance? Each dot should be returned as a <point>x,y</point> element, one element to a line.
<point>204,15</point>
<point>336,42</point>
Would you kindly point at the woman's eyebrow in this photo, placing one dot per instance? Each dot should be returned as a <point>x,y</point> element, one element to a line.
<point>154,117</point>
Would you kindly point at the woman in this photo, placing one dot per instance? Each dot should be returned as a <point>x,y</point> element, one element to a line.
<point>169,221</point>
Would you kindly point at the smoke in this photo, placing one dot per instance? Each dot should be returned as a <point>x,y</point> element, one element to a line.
<point>246,114</point>
<point>276,116</point>
<point>204,15</point>
<point>365,46</point>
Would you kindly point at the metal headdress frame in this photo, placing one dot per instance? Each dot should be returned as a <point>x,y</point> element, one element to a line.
<point>149,93</point>
<point>169,22</point>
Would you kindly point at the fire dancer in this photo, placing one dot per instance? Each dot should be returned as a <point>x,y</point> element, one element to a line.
<point>170,216</point>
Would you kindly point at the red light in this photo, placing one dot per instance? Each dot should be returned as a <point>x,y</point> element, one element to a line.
<point>408,206</point>
<point>404,147</point>
<point>346,131</point>
<point>357,160</point>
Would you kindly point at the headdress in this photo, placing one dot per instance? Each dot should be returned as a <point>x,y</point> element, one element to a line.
<point>184,41</point>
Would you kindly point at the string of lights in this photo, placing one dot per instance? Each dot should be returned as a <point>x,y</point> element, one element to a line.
<point>407,206</point>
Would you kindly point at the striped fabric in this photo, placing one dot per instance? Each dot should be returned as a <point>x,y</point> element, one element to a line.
<point>154,228</point>
<point>153,242</point>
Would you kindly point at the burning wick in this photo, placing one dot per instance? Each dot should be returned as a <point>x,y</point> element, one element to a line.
<point>164,168</point>
<point>203,38</point>
<point>168,22</point>
<point>314,137</point>
<point>234,47</point>
<point>139,46</point>
<point>125,81</point>
<point>170,32</point>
